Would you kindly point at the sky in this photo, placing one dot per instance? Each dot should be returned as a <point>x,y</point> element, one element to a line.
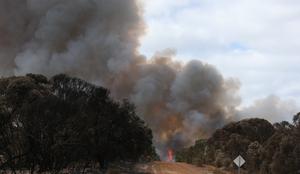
<point>254,41</point>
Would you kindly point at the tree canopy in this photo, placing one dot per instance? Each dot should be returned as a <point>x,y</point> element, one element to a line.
<point>266,148</point>
<point>49,125</point>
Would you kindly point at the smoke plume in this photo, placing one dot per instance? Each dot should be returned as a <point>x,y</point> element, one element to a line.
<point>271,108</point>
<point>98,41</point>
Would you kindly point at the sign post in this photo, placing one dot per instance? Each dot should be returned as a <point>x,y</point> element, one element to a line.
<point>239,161</point>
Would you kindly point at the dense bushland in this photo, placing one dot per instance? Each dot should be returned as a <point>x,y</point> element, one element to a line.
<point>266,148</point>
<point>65,122</point>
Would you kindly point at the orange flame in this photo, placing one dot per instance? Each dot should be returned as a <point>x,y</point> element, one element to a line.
<point>170,155</point>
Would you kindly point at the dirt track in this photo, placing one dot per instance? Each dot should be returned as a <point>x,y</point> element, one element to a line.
<point>174,168</point>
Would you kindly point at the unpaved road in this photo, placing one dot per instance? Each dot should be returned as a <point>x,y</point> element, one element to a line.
<point>175,168</point>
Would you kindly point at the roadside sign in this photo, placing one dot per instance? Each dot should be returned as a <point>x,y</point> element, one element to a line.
<point>239,161</point>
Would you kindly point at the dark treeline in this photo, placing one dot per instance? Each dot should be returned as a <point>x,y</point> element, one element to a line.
<point>64,122</point>
<point>267,148</point>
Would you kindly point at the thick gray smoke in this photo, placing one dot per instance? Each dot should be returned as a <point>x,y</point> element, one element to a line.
<point>97,40</point>
<point>93,39</point>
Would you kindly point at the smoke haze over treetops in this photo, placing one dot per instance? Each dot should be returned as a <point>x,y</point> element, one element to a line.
<point>98,41</point>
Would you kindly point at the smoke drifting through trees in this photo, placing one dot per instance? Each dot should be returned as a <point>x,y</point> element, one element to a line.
<point>97,40</point>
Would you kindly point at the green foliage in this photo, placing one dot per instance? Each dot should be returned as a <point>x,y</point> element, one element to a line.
<point>51,125</point>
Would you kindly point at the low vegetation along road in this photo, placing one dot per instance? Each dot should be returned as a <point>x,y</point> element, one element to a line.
<point>176,168</point>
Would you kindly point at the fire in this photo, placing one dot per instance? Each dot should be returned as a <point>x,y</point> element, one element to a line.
<point>170,155</point>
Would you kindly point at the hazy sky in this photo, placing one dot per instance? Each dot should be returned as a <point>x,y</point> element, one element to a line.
<point>256,41</point>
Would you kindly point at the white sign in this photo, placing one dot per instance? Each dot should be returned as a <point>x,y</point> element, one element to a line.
<point>239,161</point>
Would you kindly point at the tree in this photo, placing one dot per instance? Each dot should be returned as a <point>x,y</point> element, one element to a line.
<point>253,156</point>
<point>195,155</point>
